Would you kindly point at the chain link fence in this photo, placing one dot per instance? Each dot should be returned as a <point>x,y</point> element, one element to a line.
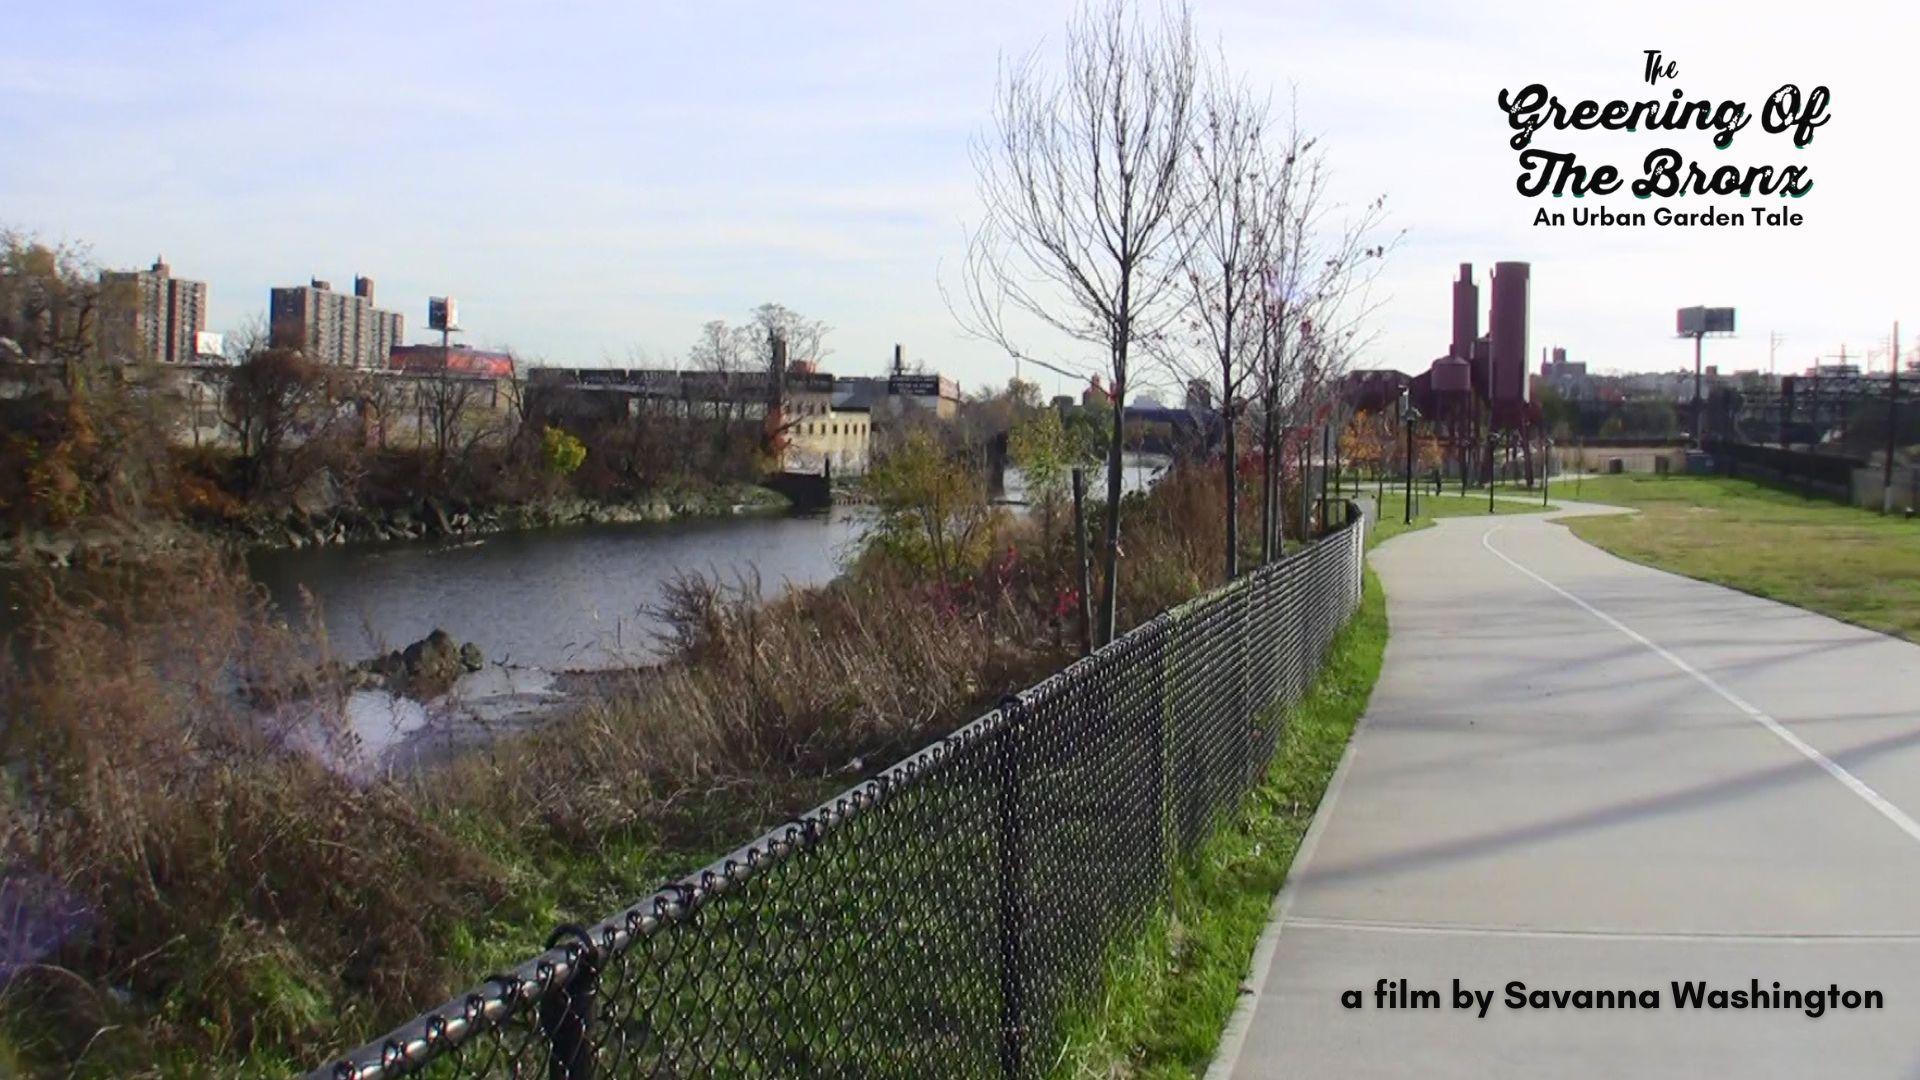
<point>946,917</point>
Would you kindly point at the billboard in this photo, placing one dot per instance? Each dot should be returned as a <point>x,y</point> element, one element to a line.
<point>442,313</point>
<point>208,345</point>
<point>1705,320</point>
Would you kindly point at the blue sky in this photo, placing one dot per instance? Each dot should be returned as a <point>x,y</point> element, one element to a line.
<point>594,181</point>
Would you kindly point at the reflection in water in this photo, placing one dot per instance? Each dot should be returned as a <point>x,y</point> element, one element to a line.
<point>559,599</point>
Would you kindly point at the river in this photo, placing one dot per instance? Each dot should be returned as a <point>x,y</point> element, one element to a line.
<point>556,599</point>
<point>536,603</point>
<point>563,599</point>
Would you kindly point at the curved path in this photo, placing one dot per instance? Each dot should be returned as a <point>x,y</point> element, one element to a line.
<point>1578,772</point>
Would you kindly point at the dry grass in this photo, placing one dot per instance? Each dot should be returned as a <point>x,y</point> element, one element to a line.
<point>226,904</point>
<point>210,886</point>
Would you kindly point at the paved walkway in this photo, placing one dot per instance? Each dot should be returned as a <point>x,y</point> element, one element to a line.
<point>1577,772</point>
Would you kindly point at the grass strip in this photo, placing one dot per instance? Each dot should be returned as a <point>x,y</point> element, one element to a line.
<point>1429,508</point>
<point>1170,993</point>
<point>1841,561</point>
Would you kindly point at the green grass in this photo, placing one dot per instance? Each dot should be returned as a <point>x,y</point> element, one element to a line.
<point>1170,994</point>
<point>1431,507</point>
<point>1841,561</point>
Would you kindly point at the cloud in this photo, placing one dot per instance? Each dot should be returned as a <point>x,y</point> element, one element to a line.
<point>589,176</point>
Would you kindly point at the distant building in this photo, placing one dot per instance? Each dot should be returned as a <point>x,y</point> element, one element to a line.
<point>456,360</point>
<point>334,328</point>
<point>899,392</point>
<point>821,437</point>
<point>1199,396</point>
<point>150,316</point>
<point>1562,375</point>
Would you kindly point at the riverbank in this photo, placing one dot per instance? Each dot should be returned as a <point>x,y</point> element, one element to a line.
<point>423,519</point>
<point>321,904</point>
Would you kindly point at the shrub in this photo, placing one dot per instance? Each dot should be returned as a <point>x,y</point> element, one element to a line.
<point>561,452</point>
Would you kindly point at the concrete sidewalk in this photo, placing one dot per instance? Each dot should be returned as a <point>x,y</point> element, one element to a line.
<point>1580,773</point>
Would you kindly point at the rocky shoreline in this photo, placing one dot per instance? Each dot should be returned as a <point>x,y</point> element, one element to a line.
<point>425,519</point>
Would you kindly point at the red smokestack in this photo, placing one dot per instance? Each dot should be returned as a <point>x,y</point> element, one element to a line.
<point>1466,313</point>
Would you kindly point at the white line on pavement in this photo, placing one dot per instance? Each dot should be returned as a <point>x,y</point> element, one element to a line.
<point>1369,926</point>
<point>1853,783</point>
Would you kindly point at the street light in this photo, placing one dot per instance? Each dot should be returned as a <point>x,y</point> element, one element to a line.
<point>1493,472</point>
<point>1406,420</point>
<point>1546,473</point>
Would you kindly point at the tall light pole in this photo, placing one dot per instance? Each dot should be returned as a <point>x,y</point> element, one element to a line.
<point>1546,472</point>
<point>1406,421</point>
<point>1493,473</point>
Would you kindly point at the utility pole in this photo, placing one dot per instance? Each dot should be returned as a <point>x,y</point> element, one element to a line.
<point>1893,425</point>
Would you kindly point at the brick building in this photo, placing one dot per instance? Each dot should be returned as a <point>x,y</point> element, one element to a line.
<point>335,328</point>
<point>150,316</point>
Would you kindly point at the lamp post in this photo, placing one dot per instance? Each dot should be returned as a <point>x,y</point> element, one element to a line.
<point>1492,473</point>
<point>1546,472</point>
<point>1406,421</point>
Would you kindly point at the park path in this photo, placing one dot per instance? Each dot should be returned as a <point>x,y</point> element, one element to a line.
<point>1578,772</point>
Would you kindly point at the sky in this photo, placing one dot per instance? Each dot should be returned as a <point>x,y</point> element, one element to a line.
<point>593,182</point>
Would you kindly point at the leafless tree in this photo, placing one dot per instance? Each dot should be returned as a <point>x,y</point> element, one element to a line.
<point>806,338</point>
<point>1082,183</point>
<point>1320,259</point>
<point>447,401</point>
<point>1226,264</point>
<point>275,402</point>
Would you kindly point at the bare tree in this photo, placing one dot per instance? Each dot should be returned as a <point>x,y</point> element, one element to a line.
<point>1315,301</point>
<point>1082,181</point>
<point>275,402</point>
<point>1226,264</point>
<point>806,338</point>
<point>447,401</point>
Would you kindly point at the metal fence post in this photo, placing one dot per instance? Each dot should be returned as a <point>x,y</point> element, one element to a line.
<point>1243,722</point>
<point>1012,892</point>
<point>1165,834</point>
<point>566,1018</point>
<point>1081,565</point>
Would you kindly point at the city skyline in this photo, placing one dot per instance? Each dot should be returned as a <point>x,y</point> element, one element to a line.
<point>596,184</point>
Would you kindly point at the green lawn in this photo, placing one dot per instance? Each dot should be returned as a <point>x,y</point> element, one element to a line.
<point>1392,520</point>
<point>1841,561</point>
<point>1170,994</point>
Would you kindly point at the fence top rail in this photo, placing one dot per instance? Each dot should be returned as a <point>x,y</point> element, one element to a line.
<point>500,996</point>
